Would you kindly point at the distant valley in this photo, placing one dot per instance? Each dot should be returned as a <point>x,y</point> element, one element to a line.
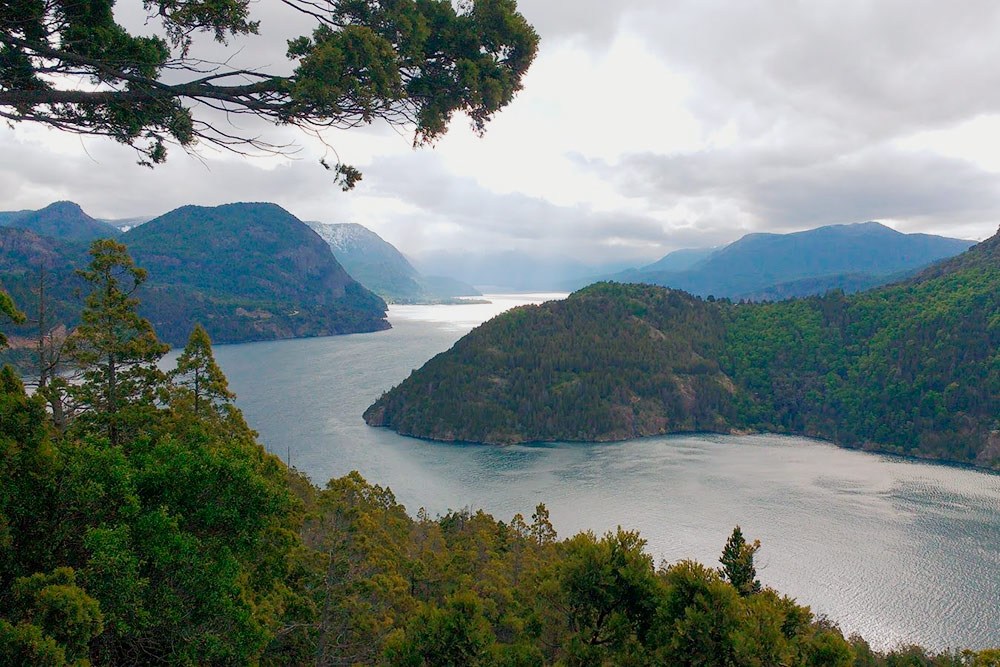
<point>379,266</point>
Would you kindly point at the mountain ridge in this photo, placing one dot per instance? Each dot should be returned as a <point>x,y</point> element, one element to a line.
<point>911,368</point>
<point>800,263</point>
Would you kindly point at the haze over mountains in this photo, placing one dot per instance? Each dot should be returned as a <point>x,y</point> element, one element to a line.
<point>850,257</point>
<point>378,265</point>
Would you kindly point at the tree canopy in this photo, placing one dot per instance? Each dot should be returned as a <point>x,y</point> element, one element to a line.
<point>413,63</point>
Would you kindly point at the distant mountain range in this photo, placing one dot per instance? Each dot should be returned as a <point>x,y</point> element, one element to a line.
<point>244,271</point>
<point>849,257</point>
<point>377,264</point>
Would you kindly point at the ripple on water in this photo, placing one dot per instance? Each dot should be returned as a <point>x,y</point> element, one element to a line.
<point>897,550</point>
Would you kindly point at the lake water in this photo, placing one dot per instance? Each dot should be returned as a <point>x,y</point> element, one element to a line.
<point>897,550</point>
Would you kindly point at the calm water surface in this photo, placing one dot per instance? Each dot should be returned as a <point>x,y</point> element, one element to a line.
<point>897,550</point>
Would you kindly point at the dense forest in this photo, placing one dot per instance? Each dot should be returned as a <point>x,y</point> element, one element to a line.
<point>141,522</point>
<point>245,271</point>
<point>911,368</point>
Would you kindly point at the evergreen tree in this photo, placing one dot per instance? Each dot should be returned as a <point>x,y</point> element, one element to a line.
<point>116,349</point>
<point>8,308</point>
<point>737,563</point>
<point>197,377</point>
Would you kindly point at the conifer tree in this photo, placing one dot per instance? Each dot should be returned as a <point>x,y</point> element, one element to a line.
<point>737,563</point>
<point>116,349</point>
<point>8,308</point>
<point>197,375</point>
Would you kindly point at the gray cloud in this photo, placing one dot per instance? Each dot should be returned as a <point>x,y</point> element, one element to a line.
<point>793,191</point>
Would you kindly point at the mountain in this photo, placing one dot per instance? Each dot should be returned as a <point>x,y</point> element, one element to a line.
<point>679,260</point>
<point>378,265</point>
<point>839,254</point>
<point>244,271</point>
<point>61,220</point>
<point>247,271</point>
<point>25,258</point>
<point>911,368</point>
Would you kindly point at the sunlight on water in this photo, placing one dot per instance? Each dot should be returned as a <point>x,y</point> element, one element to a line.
<point>898,550</point>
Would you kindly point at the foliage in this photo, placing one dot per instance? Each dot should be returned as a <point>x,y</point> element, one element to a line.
<point>244,271</point>
<point>912,368</point>
<point>412,63</point>
<point>8,309</point>
<point>198,380</point>
<point>116,348</point>
<point>737,563</point>
<point>185,542</point>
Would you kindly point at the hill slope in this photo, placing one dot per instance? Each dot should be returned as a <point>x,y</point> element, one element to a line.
<point>912,368</point>
<point>848,257</point>
<point>61,220</point>
<point>378,265</point>
<point>246,272</point>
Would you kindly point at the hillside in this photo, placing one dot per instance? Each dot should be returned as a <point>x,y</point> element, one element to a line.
<point>246,272</point>
<point>379,266</point>
<point>60,220</point>
<point>912,368</point>
<point>767,266</point>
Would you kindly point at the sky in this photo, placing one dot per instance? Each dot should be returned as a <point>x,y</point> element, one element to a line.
<point>644,126</point>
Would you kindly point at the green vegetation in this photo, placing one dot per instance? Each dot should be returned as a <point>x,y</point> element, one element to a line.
<point>912,368</point>
<point>410,63</point>
<point>175,538</point>
<point>244,271</point>
<point>62,220</point>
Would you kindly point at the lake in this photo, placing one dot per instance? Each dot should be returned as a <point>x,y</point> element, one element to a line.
<point>897,550</point>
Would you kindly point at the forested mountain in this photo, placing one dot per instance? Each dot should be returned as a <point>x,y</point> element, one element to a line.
<point>679,260</point>
<point>380,267</point>
<point>245,271</point>
<point>764,266</point>
<point>912,368</point>
<point>146,525</point>
<point>61,220</point>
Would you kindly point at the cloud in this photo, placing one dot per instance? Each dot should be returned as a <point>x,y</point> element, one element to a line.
<point>644,126</point>
<point>789,190</point>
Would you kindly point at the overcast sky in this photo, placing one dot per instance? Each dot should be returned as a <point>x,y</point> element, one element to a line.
<point>644,126</point>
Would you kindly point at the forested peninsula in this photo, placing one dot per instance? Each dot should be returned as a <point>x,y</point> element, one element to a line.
<point>142,523</point>
<point>912,368</point>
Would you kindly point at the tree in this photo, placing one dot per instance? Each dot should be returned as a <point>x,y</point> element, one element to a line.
<point>8,308</point>
<point>412,63</point>
<point>197,375</point>
<point>116,348</point>
<point>737,563</point>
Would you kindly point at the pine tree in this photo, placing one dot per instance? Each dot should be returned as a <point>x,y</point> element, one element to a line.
<point>8,308</point>
<point>198,377</point>
<point>737,563</point>
<point>116,349</point>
